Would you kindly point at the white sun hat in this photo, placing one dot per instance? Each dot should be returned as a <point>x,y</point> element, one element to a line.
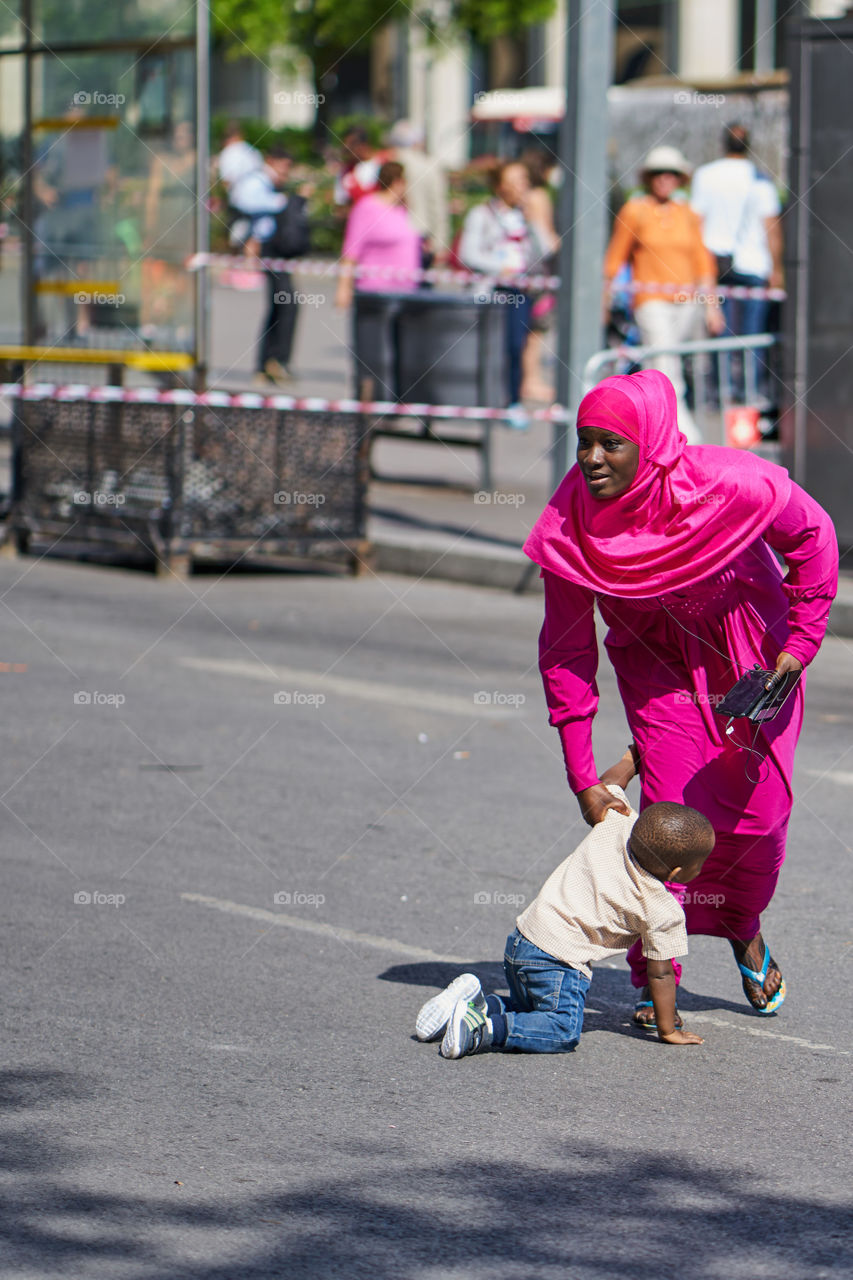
<point>666,160</point>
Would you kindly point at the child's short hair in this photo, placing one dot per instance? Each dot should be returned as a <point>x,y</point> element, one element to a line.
<point>668,835</point>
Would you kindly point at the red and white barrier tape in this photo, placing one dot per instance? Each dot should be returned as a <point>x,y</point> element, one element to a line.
<point>256,400</point>
<point>333,269</point>
<point>718,290</point>
<point>446,275</point>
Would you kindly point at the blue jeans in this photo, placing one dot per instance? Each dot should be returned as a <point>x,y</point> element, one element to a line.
<point>544,1012</point>
<point>746,316</point>
<point>517,332</point>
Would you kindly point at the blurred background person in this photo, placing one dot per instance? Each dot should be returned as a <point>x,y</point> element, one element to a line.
<point>500,243</point>
<point>741,225</point>
<point>169,237</point>
<point>426,191</point>
<point>236,161</point>
<point>382,239</point>
<point>255,193</point>
<point>283,234</point>
<point>74,181</point>
<point>362,161</point>
<point>660,238</point>
<point>539,210</point>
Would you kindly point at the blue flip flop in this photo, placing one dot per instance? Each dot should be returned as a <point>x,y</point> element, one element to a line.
<point>651,1026</point>
<point>758,978</point>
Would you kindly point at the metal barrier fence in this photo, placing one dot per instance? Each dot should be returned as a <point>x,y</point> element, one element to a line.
<point>171,484</point>
<point>719,367</point>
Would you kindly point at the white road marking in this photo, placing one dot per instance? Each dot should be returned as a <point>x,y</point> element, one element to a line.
<point>832,775</point>
<point>290,679</point>
<point>330,931</point>
<point>283,921</point>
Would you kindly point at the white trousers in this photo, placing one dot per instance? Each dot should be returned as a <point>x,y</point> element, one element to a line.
<point>666,324</point>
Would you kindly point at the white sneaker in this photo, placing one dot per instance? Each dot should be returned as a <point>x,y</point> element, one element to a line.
<point>468,1031</point>
<point>435,1014</point>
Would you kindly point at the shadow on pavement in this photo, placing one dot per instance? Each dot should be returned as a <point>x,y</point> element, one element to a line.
<point>611,993</point>
<point>436,1216</point>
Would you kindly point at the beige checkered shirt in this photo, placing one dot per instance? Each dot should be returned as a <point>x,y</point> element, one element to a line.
<point>599,901</point>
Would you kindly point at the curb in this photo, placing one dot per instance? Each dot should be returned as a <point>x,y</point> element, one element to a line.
<point>507,570</point>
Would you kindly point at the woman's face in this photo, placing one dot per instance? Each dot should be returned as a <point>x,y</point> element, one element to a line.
<point>664,185</point>
<point>608,462</point>
<point>514,184</point>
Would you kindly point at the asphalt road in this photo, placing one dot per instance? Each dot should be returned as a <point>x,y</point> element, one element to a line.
<point>201,1081</point>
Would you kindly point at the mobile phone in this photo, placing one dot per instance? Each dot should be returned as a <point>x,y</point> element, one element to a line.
<point>751,699</point>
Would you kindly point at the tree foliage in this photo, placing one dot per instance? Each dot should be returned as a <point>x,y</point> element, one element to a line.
<point>311,26</point>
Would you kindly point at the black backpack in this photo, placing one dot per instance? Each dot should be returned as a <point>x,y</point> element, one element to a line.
<point>292,235</point>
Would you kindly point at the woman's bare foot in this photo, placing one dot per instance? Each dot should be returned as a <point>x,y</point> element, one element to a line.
<point>751,954</point>
<point>646,1017</point>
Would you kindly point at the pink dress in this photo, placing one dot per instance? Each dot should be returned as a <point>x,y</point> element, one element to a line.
<point>383,236</point>
<point>681,564</point>
<point>674,657</point>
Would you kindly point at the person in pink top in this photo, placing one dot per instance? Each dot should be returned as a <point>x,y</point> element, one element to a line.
<point>676,545</point>
<point>381,240</point>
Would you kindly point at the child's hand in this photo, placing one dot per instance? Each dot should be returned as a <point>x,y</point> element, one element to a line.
<point>679,1037</point>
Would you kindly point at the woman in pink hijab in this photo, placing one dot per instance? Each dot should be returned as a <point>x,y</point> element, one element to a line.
<point>676,545</point>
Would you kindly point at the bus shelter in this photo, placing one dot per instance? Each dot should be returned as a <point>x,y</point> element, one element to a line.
<point>103,174</point>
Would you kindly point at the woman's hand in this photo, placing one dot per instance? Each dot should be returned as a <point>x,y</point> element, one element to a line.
<point>346,284</point>
<point>595,802</point>
<point>787,662</point>
<point>344,294</point>
<point>715,320</point>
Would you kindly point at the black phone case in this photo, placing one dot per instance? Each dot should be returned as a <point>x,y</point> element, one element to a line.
<point>750,698</point>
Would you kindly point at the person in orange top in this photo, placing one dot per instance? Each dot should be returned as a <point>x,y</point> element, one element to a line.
<point>661,238</point>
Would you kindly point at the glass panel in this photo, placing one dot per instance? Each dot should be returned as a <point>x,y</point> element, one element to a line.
<point>11,29</point>
<point>94,21</point>
<point>114,199</point>
<point>11,196</point>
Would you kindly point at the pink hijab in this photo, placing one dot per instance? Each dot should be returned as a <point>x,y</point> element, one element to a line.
<point>688,512</point>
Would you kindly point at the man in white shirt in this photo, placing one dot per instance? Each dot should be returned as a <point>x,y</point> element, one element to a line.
<point>426,189</point>
<point>741,225</point>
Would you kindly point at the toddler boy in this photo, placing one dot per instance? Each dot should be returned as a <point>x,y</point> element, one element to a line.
<point>606,895</point>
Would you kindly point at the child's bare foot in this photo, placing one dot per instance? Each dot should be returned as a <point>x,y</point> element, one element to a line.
<point>644,1014</point>
<point>752,955</point>
<point>680,1037</point>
